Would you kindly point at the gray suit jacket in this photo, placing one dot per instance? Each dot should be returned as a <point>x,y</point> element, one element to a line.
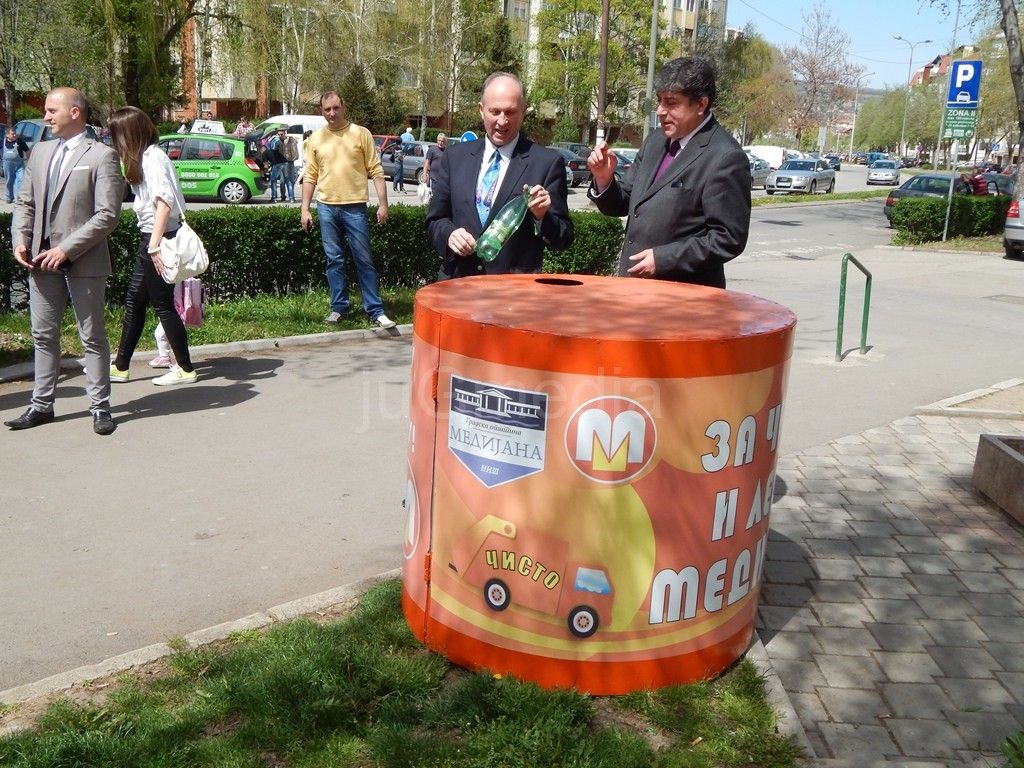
<point>86,205</point>
<point>696,216</point>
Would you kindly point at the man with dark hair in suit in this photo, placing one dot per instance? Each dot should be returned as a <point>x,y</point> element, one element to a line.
<point>69,202</point>
<point>472,181</point>
<point>687,194</point>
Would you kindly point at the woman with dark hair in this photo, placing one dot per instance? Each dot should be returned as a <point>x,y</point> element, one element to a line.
<point>158,207</point>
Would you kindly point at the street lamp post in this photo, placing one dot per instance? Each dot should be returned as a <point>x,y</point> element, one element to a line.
<point>856,95</point>
<point>906,99</point>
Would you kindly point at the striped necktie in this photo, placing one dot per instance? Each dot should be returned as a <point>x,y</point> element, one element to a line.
<point>488,186</point>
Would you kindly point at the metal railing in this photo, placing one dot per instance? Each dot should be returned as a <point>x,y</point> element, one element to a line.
<point>848,257</point>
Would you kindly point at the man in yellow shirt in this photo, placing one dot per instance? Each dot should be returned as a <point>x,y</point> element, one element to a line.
<point>340,157</point>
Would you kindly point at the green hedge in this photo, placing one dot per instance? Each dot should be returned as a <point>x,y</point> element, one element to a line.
<point>921,219</point>
<point>262,250</point>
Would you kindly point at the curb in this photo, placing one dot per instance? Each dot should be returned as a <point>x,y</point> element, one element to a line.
<point>125,661</point>
<point>20,371</point>
<point>948,407</point>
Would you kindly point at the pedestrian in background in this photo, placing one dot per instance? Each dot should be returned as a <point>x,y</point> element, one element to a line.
<point>687,194</point>
<point>340,157</point>
<point>158,208</point>
<point>244,127</point>
<point>278,165</point>
<point>15,152</point>
<point>398,169</point>
<point>407,136</point>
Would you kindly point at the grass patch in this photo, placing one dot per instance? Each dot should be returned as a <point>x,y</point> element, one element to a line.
<point>263,317</point>
<point>361,691</point>
<point>866,194</point>
<point>984,244</point>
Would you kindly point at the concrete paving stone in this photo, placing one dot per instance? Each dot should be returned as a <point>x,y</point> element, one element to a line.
<point>1009,655</point>
<point>835,568</point>
<point>984,731</point>
<point>837,591</point>
<point>785,594</point>
<point>925,563</point>
<point>865,485</point>
<point>1002,629</point>
<point>908,525</point>
<point>878,547</point>
<point>943,606</point>
<point>841,614</point>
<point>1011,561</point>
<point>788,572</point>
<point>844,641</point>
<point>895,611</point>
<point>965,662</point>
<point>871,513</point>
<point>908,667</point>
<point>798,676</point>
<point>962,634</point>
<point>938,584</point>
<point>856,456</point>
<point>914,700</point>
<point>1014,576</point>
<point>779,618</point>
<point>975,759</point>
<point>978,581</point>
<point>846,705</point>
<point>829,530</point>
<point>922,457</point>
<point>863,498</point>
<point>890,471</point>
<point>788,502</point>
<point>786,550</point>
<point>872,529</point>
<point>848,671</point>
<point>809,709</point>
<point>926,738</point>
<point>910,484</point>
<point>825,501</point>
<point>916,435</point>
<point>923,545</point>
<point>819,486</point>
<point>882,588</point>
<point>829,548</point>
<point>881,566</point>
<point>850,440</point>
<point>834,516</point>
<point>999,604</point>
<point>969,558</point>
<point>822,460</point>
<point>793,645</point>
<point>900,638</point>
<point>819,745</point>
<point>971,695</point>
<point>1014,683</point>
<point>791,531</point>
<point>870,743</point>
<point>1016,711</point>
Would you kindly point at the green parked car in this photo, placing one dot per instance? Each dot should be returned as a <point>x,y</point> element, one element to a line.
<point>214,166</point>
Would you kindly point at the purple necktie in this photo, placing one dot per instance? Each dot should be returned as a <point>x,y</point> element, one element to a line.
<point>670,153</point>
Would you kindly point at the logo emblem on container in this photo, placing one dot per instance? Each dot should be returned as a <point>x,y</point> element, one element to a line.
<point>610,439</point>
<point>497,433</point>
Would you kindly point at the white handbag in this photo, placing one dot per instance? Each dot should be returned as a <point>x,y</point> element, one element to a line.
<point>184,255</point>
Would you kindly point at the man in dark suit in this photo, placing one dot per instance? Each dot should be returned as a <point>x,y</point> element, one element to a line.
<point>688,193</point>
<point>69,202</point>
<point>474,179</point>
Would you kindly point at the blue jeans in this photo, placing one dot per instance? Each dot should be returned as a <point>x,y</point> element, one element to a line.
<point>352,222</point>
<point>278,173</point>
<point>11,168</point>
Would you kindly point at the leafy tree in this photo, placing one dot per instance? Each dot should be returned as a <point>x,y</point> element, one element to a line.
<point>755,87</point>
<point>360,104</point>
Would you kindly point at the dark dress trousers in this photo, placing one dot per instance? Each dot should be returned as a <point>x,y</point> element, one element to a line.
<point>453,205</point>
<point>696,216</point>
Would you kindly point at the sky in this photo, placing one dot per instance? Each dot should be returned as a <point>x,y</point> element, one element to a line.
<point>869,24</point>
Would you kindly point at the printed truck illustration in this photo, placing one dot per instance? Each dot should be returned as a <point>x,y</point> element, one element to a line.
<point>534,570</point>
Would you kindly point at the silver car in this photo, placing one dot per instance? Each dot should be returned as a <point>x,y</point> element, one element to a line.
<point>884,172</point>
<point>1013,232</point>
<point>759,170</point>
<point>802,176</point>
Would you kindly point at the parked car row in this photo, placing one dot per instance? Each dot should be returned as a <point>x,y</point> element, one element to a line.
<point>937,185</point>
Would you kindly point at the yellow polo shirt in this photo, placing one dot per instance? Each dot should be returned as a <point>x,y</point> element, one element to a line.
<point>339,164</point>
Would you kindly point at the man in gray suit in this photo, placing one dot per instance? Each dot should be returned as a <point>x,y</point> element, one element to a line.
<point>70,200</point>
<point>688,193</point>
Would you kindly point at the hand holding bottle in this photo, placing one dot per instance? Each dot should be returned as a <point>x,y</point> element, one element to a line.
<point>540,201</point>
<point>503,225</point>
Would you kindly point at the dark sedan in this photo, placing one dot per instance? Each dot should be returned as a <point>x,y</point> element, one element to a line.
<point>576,163</point>
<point>924,185</point>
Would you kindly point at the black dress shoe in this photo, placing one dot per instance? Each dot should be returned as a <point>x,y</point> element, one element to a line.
<point>103,423</point>
<point>30,418</point>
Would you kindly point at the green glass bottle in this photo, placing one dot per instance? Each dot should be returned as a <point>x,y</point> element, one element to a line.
<point>502,226</point>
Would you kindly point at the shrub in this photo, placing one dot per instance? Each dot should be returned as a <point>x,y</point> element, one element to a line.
<point>921,219</point>
<point>262,250</point>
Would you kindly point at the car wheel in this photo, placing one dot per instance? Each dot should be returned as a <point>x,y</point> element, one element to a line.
<point>769,191</point>
<point>583,621</point>
<point>831,187</point>
<point>496,595</point>
<point>814,188</point>
<point>419,176</point>
<point>1011,252</point>
<point>233,192</point>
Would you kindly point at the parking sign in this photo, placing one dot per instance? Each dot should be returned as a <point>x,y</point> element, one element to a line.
<point>964,84</point>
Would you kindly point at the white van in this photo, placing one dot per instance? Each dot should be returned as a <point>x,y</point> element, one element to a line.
<point>773,155</point>
<point>296,124</point>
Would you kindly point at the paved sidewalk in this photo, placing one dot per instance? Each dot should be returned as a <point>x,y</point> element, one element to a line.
<point>892,609</point>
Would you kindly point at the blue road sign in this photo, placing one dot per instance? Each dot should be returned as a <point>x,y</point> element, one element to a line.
<point>468,136</point>
<point>964,84</point>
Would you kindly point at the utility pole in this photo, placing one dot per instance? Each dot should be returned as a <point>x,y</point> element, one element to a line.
<point>602,79</point>
<point>856,95</point>
<point>906,99</point>
<point>651,52</point>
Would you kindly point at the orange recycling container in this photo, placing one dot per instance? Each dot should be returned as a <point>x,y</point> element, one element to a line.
<point>590,473</point>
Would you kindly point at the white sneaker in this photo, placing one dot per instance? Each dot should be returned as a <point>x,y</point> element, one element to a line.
<point>385,322</point>
<point>176,376</point>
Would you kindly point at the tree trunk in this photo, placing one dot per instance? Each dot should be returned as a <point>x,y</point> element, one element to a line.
<point>1011,30</point>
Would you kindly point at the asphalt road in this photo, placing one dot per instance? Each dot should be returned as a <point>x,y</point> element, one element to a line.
<point>281,474</point>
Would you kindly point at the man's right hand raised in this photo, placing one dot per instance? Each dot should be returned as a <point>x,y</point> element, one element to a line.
<point>602,162</point>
